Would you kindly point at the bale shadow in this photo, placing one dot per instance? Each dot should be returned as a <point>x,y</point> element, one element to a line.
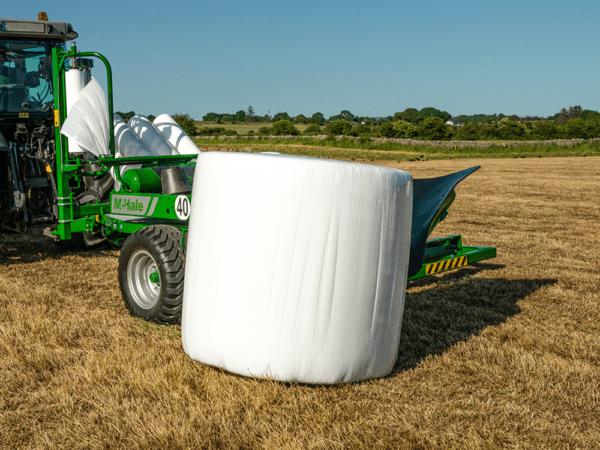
<point>26,249</point>
<point>458,308</point>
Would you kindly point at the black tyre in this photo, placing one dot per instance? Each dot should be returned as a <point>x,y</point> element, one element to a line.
<point>151,270</point>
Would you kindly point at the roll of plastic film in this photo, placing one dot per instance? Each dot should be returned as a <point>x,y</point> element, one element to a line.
<point>75,80</point>
<point>126,141</point>
<point>150,136</point>
<point>175,135</point>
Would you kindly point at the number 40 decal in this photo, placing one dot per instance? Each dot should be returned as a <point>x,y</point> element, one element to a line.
<point>182,207</point>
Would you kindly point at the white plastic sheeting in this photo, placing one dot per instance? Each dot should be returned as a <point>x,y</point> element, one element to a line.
<point>296,267</point>
<point>87,122</point>
<point>175,135</point>
<point>150,136</point>
<point>126,141</point>
<point>75,81</point>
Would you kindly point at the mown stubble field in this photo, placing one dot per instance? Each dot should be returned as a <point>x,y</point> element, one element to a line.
<point>502,355</point>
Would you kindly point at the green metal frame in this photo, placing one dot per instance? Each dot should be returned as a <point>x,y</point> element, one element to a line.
<point>448,253</point>
<point>70,171</point>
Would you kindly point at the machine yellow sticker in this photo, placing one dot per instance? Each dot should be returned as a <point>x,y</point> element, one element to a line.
<point>23,115</point>
<point>453,263</point>
<point>56,123</point>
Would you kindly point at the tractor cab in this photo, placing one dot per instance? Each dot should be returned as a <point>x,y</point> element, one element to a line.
<point>25,77</point>
<point>27,134</point>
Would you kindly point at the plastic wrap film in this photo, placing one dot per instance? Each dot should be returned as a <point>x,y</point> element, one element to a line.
<point>150,136</point>
<point>87,123</point>
<point>175,135</point>
<point>75,81</point>
<point>126,141</point>
<point>296,267</point>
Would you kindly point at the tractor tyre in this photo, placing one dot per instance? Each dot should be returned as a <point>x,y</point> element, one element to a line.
<point>151,272</point>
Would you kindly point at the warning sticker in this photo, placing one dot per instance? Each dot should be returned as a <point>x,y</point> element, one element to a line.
<point>56,123</point>
<point>453,263</point>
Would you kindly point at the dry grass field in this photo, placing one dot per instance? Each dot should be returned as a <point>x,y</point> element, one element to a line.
<point>505,354</point>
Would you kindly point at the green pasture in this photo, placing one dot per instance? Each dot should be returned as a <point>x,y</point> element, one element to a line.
<point>367,150</point>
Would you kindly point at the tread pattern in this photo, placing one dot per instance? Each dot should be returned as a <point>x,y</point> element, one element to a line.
<point>164,243</point>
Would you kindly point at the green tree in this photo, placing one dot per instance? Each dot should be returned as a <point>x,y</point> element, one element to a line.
<point>576,129</point>
<point>363,129</point>
<point>587,114</point>
<point>509,129</point>
<point>211,117</point>
<point>563,117</point>
<point>338,127</point>
<point>301,118</point>
<point>545,129</point>
<point>282,116</point>
<point>319,116</point>
<point>387,130</point>
<point>409,115</point>
<point>240,116</point>
<point>432,112</point>
<point>313,128</point>
<point>468,132</point>
<point>126,116</point>
<point>347,115</point>
<point>284,128</point>
<point>433,128</point>
<point>404,129</point>
<point>250,116</point>
<point>187,123</point>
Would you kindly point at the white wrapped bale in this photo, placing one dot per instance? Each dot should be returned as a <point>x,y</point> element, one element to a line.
<point>175,135</point>
<point>150,136</point>
<point>296,267</point>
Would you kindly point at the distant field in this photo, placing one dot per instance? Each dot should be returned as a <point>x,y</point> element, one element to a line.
<point>391,152</point>
<point>503,354</point>
<point>240,128</point>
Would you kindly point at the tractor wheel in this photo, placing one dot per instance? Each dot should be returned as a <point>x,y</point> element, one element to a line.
<point>151,270</point>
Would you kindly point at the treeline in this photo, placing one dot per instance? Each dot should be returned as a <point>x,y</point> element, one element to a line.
<point>317,118</point>
<point>411,115</point>
<point>434,128</point>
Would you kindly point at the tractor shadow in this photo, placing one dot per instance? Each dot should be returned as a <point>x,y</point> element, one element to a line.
<point>25,249</point>
<point>454,309</point>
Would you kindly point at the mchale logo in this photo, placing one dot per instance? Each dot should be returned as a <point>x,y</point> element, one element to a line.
<point>131,205</point>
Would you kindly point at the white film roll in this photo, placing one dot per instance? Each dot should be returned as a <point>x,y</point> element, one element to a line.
<point>75,81</point>
<point>175,135</point>
<point>150,136</point>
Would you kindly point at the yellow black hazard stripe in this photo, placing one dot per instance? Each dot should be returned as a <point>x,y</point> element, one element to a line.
<point>453,263</point>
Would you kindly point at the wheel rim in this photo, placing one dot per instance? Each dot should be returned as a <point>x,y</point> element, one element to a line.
<point>141,267</point>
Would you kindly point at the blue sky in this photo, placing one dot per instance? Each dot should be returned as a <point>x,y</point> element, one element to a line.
<point>371,58</point>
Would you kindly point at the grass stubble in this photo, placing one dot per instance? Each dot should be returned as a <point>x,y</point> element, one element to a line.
<point>505,354</point>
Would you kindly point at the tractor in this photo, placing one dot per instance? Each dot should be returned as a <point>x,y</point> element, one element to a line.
<point>78,198</point>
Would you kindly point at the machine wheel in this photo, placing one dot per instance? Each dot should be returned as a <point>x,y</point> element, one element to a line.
<point>151,270</point>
